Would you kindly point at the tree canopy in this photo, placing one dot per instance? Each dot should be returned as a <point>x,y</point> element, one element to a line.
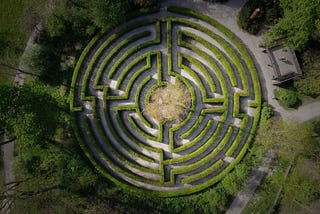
<point>28,113</point>
<point>300,22</point>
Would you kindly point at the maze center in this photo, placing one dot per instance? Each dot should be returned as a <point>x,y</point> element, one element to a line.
<point>166,103</point>
<point>170,102</point>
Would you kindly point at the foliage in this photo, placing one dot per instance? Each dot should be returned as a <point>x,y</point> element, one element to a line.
<point>145,3</point>
<point>305,26</point>
<point>106,14</point>
<point>233,181</point>
<point>269,13</point>
<point>302,184</point>
<point>44,63</point>
<point>315,127</point>
<point>262,201</point>
<point>12,36</point>
<point>23,117</point>
<point>32,114</point>
<point>298,148</point>
<point>266,115</point>
<point>288,138</point>
<point>287,97</point>
<point>309,83</point>
<point>68,20</point>
<point>11,32</point>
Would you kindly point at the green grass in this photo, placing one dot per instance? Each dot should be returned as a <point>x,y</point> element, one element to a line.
<point>11,31</point>
<point>11,12</point>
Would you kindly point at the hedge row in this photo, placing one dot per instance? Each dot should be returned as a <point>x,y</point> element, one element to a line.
<point>211,63</point>
<point>104,46</point>
<point>197,139</point>
<point>201,68</point>
<point>233,38</point>
<point>132,51</point>
<point>193,101</point>
<point>216,51</point>
<point>238,137</point>
<point>198,151</point>
<point>105,159</point>
<point>116,135</point>
<point>123,158</point>
<point>192,178</point>
<point>194,75</point>
<point>211,169</point>
<point>139,130</point>
<point>225,45</point>
<point>206,159</point>
<point>107,43</point>
<point>193,128</point>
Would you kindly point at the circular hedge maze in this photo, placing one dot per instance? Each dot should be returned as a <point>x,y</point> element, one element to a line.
<point>116,76</point>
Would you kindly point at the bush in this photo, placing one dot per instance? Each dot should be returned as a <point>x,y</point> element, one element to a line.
<point>266,114</point>
<point>44,63</point>
<point>270,11</point>
<point>309,84</point>
<point>286,97</point>
<point>315,127</point>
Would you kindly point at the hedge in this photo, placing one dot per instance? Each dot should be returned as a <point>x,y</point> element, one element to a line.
<point>197,138</point>
<point>210,156</point>
<point>199,151</point>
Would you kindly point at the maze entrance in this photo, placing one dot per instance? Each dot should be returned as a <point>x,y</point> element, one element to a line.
<point>113,84</point>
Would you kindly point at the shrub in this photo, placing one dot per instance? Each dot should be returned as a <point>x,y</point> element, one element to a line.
<point>266,111</point>
<point>270,11</point>
<point>266,114</point>
<point>44,63</point>
<point>309,84</point>
<point>286,97</point>
<point>315,127</point>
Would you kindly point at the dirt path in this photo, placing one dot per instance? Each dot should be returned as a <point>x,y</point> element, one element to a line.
<point>8,149</point>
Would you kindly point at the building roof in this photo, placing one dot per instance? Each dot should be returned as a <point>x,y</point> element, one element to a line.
<point>284,63</point>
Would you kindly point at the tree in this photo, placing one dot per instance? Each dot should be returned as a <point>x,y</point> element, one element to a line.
<point>44,62</point>
<point>144,3</point>
<point>288,138</point>
<point>28,113</point>
<point>288,98</point>
<point>68,20</point>
<point>107,13</point>
<point>309,82</point>
<point>301,187</point>
<point>32,114</point>
<point>300,23</point>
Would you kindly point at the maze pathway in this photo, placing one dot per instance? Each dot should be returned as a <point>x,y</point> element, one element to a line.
<point>118,71</point>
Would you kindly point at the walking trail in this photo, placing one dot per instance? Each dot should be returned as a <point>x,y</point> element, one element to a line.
<point>8,149</point>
